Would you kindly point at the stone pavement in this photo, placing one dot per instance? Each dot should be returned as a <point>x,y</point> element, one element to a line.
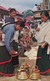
<point>14,78</point>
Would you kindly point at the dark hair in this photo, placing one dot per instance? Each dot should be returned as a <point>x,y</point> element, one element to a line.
<point>21,23</point>
<point>45,13</point>
<point>12,9</point>
<point>28,47</point>
<point>20,36</point>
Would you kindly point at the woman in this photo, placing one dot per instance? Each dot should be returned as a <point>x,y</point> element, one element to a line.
<point>43,37</point>
<point>6,49</point>
<point>6,68</point>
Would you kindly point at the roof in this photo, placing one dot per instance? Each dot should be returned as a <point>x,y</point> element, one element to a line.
<point>28,17</point>
<point>17,12</point>
<point>3,8</point>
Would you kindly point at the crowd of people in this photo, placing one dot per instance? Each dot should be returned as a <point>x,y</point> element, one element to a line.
<point>16,37</point>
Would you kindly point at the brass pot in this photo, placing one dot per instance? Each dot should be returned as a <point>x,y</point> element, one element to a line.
<point>35,74</point>
<point>22,74</point>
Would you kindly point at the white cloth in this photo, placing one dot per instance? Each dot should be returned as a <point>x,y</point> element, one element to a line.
<point>16,34</point>
<point>35,8</point>
<point>36,32</point>
<point>3,37</point>
<point>44,33</point>
<point>2,42</point>
<point>32,54</point>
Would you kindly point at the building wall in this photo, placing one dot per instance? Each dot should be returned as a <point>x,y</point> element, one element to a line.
<point>47,3</point>
<point>43,6</point>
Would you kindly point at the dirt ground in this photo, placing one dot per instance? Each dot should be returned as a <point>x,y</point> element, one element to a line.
<point>21,61</point>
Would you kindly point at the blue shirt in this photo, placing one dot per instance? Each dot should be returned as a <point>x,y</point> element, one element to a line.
<point>9,19</point>
<point>9,32</point>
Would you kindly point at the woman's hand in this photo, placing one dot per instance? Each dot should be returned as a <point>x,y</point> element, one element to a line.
<point>43,44</point>
<point>37,29</point>
<point>13,53</point>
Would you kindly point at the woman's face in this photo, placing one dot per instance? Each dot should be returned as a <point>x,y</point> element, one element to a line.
<point>18,27</point>
<point>44,18</point>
